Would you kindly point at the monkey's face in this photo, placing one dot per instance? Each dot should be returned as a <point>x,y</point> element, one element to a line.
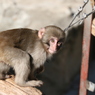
<point>52,43</point>
<point>52,37</point>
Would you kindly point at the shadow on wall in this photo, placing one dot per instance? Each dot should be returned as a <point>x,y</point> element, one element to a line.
<point>61,70</point>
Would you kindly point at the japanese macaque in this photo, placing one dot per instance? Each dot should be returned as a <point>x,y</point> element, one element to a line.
<point>26,50</point>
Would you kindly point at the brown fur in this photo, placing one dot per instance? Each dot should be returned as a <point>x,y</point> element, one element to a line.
<point>19,46</point>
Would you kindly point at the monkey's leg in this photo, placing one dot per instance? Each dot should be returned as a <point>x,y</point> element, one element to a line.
<point>22,74</point>
<point>4,68</point>
<point>31,76</point>
<point>20,61</point>
<point>35,72</point>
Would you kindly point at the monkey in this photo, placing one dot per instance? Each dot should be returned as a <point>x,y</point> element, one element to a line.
<point>26,50</point>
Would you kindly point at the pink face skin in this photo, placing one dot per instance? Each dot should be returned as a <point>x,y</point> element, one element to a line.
<point>53,45</point>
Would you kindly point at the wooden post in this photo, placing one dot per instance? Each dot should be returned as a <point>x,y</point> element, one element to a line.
<point>85,50</point>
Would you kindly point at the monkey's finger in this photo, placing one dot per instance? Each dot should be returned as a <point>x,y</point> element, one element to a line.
<point>40,83</point>
<point>8,76</point>
<point>34,83</point>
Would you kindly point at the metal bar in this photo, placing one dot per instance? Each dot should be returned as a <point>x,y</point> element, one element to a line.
<point>85,50</point>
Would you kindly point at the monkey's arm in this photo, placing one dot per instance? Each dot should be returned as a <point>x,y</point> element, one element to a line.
<point>39,70</point>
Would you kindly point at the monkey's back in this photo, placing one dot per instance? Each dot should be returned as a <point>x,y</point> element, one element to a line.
<point>18,38</point>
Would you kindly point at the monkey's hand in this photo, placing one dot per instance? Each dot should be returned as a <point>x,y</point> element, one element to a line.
<point>8,76</point>
<point>34,83</point>
<point>39,83</point>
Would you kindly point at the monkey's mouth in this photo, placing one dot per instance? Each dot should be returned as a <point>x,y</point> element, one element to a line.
<point>51,51</point>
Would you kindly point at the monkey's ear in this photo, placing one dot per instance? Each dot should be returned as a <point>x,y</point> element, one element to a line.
<point>41,32</point>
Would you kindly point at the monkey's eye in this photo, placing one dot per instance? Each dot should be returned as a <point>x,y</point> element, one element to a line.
<point>52,40</point>
<point>59,43</point>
